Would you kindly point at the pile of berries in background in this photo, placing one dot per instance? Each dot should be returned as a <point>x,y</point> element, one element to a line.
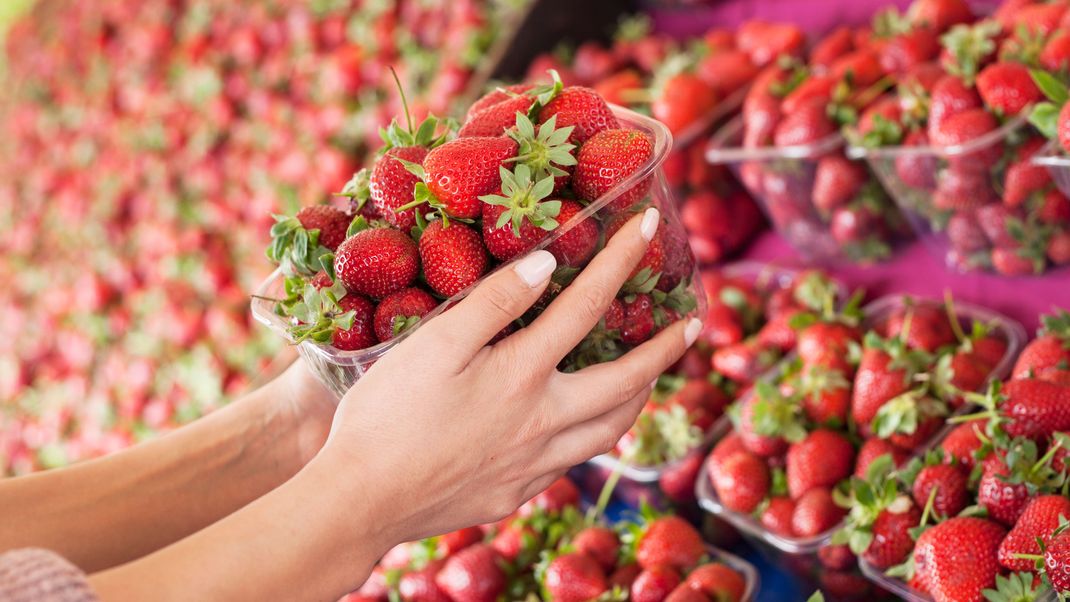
<point>146,145</point>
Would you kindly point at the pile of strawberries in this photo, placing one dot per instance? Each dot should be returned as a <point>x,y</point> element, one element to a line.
<point>983,515</point>
<point>548,551</point>
<point>690,86</point>
<point>437,211</point>
<point>959,156</point>
<point>146,143</point>
<point>843,399</point>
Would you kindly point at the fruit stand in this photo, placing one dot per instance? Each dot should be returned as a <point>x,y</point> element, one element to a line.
<point>869,211</point>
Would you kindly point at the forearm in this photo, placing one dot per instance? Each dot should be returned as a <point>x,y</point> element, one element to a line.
<point>108,511</point>
<point>307,540</point>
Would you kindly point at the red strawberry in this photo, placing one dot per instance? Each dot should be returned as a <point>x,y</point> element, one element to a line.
<point>806,125</point>
<point>950,96</point>
<point>561,494</point>
<point>669,541</point>
<point>964,127</point>
<point>765,41</point>
<point>951,485</point>
<point>677,481</point>
<point>821,460</point>
<point>362,333</point>
<point>1007,88</point>
<point>832,46</point>
<point>1056,208</point>
<point>1039,519</point>
<point>929,327</point>
<point>606,160</point>
<point>624,576</point>
<point>962,189</point>
<point>1057,561</point>
<point>874,448</point>
<point>727,71</point>
<point>1059,247</point>
<point>836,181</point>
<point>391,185</point>
<point>815,513</point>
<point>957,559</point>
<point>813,89</point>
<point>575,247</point>
<point>729,445</point>
<point>1011,262</point>
<point>1056,53</point>
<point>1063,133</point>
<point>1005,500</point>
<point>639,323</point>
<point>653,260</point>
<point>455,541</point>
<point>600,543</point>
<point>993,220</point>
<point>741,481</point>
<point>718,582</point>
<point>574,577</point>
<point>419,585</point>
<point>654,584</point>
<point>502,241</point>
<point>744,362</point>
<point>462,170</point>
<point>884,373</point>
<point>892,542</point>
<point>683,593</point>
<point>616,88</point>
<point>939,15</point>
<point>777,516</point>
<point>683,99</point>
<point>916,170</point>
<point>376,262</point>
<point>826,396</point>
<point>962,442</point>
<point>495,119</point>
<point>827,344</point>
<point>330,221</point>
<point>496,96</point>
<point>453,257</point>
<point>1035,408</point>
<point>1023,178</point>
<point>861,68</point>
<point>581,108</point>
<point>400,311</point>
<point>472,575</point>
<point>1050,349</point>
<point>906,51</point>
<point>1037,18</point>
<point>965,234</point>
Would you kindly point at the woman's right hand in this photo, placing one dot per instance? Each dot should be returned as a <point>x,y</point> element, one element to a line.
<point>449,431</point>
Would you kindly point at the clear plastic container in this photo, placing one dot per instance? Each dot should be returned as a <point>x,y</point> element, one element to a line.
<point>750,574</point>
<point>339,370</point>
<point>782,180</point>
<point>1056,160</point>
<point>949,194</point>
<point>800,554</point>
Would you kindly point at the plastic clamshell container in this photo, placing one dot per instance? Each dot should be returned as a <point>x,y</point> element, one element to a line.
<point>339,370</point>
<point>1058,164</point>
<point>913,176</point>
<point>800,553</point>
<point>750,574</point>
<point>782,180</point>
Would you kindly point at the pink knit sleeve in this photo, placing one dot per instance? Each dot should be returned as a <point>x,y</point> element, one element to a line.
<point>35,575</point>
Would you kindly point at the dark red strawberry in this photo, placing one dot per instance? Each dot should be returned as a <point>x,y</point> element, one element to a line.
<point>495,119</point>
<point>885,372</point>
<point>1037,523</point>
<point>777,516</point>
<point>654,584</point>
<point>472,575</point>
<point>575,247</point>
<point>823,459</point>
<point>827,344</point>
<point>963,442</point>
<point>808,124</point>
<point>462,170</point>
<point>951,483</point>
<point>391,185</point>
<point>330,221</point>
<point>362,333</point>
<point>874,448</point>
<point>600,543</point>
<point>606,160</point>
<point>1035,408</point>
<point>765,41</point>
<point>950,96</point>
<point>741,481</point>
<point>639,323</point>
<point>892,542</point>
<point>957,559</point>
<point>836,181</point>
<point>1007,88</point>
<point>453,257</point>
<point>677,481</point>
<point>574,577</point>
<point>376,262</point>
<point>581,108</point>
<point>718,582</point>
<point>400,311</point>
<point>419,585</point>
<point>669,541</point>
<point>496,96</point>
<point>928,330</point>
<point>1050,349</point>
<point>815,513</point>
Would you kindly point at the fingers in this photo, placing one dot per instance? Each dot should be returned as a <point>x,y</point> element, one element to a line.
<point>620,380</point>
<point>581,442</point>
<point>494,304</point>
<point>580,306</point>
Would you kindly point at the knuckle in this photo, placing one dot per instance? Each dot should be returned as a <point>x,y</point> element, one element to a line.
<point>593,300</point>
<point>629,382</point>
<point>498,298</point>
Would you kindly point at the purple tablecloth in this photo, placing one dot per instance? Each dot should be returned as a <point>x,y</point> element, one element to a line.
<point>914,270</point>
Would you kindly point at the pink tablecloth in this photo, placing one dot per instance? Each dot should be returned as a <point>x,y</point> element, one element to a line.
<point>914,270</point>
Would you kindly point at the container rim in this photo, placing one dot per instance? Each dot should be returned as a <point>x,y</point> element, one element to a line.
<point>727,106</point>
<point>1051,155</point>
<point>751,577</point>
<point>1011,125</point>
<point>262,308</point>
<point>723,147</point>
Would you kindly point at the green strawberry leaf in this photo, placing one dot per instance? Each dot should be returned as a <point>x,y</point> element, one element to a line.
<point>1055,90</point>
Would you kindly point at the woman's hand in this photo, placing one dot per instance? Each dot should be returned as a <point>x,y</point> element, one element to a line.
<point>458,433</point>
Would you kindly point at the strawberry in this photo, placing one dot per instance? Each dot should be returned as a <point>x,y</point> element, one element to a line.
<point>718,582</point>
<point>331,222</point>
<point>1057,561</point>
<point>949,96</point>
<point>886,372</point>
<point>1038,521</point>
<point>1063,127</point>
<point>808,124</point>
<point>1056,208</point>
<point>812,89</point>
<point>874,448</point>
<point>376,262</point>
<point>453,257</point>
<point>957,558</point>
<point>832,46</point>
<point>827,344</point>
<point>582,109</point>
<point>639,324</point>
<point>472,575</point>
<point>669,541</point>
<point>1010,478</point>
<point>600,543</point>
<point>905,51</point>
<point>419,585</point>
<point>576,246</point>
<point>625,576</point>
<point>728,446</point>
<point>1012,262</point>
<point>963,127</point>
<point>826,396</point>
<point>962,189</point>
<point>495,119</point>
<point>744,362</point>
<point>777,516</point>
<point>822,459</point>
<point>455,541</point>
<point>518,218</point>
<point>606,160</point>
<point>652,263</point>
<point>1050,349</point>
<point>963,442</point>
<point>993,219</point>
<point>916,170</point>
<point>950,483</point>
<point>741,481</point>
<point>561,494</point>
<point>496,96</point>
<point>929,328</point>
<point>727,71</point>
<point>1055,55</point>
<point>1037,18</point>
<point>1007,88</point>
<point>391,185</point>
<point>1023,178</point>
<point>882,527</point>
<point>574,577</point>
<point>1059,247</point>
<point>400,311</point>
<point>457,173</point>
<point>1034,408</point>
<point>836,181</point>
<point>815,513</point>
<point>683,99</point>
<point>964,233</point>
<point>683,593</point>
<point>861,68</point>
<point>654,584</point>
<point>765,42</point>
<point>361,333</point>
<point>939,15</point>
<point>617,88</point>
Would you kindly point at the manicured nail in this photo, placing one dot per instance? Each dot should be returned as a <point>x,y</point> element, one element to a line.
<point>536,268</point>
<point>691,332</point>
<point>649,226</point>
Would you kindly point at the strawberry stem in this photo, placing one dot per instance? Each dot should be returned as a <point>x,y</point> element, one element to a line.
<point>404,101</point>
<point>607,492</point>
<point>952,318</point>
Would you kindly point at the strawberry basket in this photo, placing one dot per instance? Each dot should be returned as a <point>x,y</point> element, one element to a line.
<point>814,555</point>
<point>339,369</point>
<point>787,181</point>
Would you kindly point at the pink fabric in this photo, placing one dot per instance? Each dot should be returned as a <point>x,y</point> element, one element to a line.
<point>35,575</point>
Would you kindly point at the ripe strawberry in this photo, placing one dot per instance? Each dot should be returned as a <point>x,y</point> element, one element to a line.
<point>455,541</point>
<point>376,262</point>
<point>885,372</point>
<point>827,344</point>
<point>929,328</point>
<point>815,513</point>
<point>495,119</point>
<point>916,170</point>
<point>963,442</point>
<point>462,170</point>
<point>1035,408</point>
<point>391,185</point>
<point>832,46</point>
<point>718,582</point>
<point>939,15</point>
<point>1056,53</point>
<point>962,189</point>
<point>574,577</point>
<point>330,221</point>
<point>727,71</point>
<point>419,585</point>
<point>1063,128</point>
<point>949,96</point>
<point>501,241</point>
<point>1037,18</point>
<point>1023,178</point>
<point>669,541</point>
<point>453,257</point>
<point>362,333</point>
<point>682,100</point>
<point>472,575</point>
<point>892,542</point>
<point>677,481</point>
<point>741,481</point>
<point>777,516</point>
<point>1055,209</point>
<point>616,88</point>
<point>729,445</point>
<point>600,543</point>
<point>813,89</point>
<point>874,448</point>
<point>765,41</point>
<point>400,311</point>
<point>1004,491</point>
<point>744,362</point>
<point>836,181</point>
<point>683,593</point>
<point>607,159</point>
<point>575,247</point>
<point>581,108</point>
<point>965,234</point>
<point>496,96</point>
<point>963,127</point>
<point>1007,88</point>
<point>821,460</point>
<point>654,584</point>
<point>826,396</point>
<point>1058,250</point>
<point>1037,522</point>
<point>1057,561</point>
<point>1050,349</point>
<point>957,559</point>
<point>993,220</point>
<point>561,494</point>
<point>639,323</point>
<point>951,484</point>
<point>808,124</point>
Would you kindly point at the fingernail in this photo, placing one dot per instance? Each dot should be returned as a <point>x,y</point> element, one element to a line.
<point>649,226</point>
<point>536,268</point>
<point>691,332</point>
